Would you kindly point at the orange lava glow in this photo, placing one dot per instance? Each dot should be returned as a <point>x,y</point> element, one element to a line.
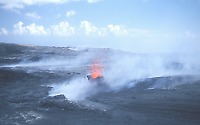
<point>96,71</point>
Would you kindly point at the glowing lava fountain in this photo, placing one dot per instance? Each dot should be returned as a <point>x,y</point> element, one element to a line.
<point>96,70</point>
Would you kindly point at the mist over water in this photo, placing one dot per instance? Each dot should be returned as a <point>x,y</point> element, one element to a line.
<point>128,68</point>
<point>124,70</point>
<point>76,90</point>
<point>120,70</point>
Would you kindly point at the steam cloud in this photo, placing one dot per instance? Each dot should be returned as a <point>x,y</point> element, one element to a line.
<point>126,69</point>
<point>120,69</point>
<point>77,89</point>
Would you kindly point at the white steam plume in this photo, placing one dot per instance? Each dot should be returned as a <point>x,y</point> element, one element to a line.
<point>126,69</point>
<point>120,70</point>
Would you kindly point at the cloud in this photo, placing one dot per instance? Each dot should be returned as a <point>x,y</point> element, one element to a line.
<point>11,5</point>
<point>19,29</point>
<point>86,28</point>
<point>110,29</point>
<point>71,13</point>
<point>20,4</point>
<point>3,31</point>
<point>117,30</point>
<point>33,15</point>
<point>65,29</point>
<point>32,29</point>
<point>62,29</point>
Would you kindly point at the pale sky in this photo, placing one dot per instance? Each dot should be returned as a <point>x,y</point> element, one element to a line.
<point>130,25</point>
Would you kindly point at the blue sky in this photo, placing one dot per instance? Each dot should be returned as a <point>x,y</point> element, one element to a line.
<point>130,25</point>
